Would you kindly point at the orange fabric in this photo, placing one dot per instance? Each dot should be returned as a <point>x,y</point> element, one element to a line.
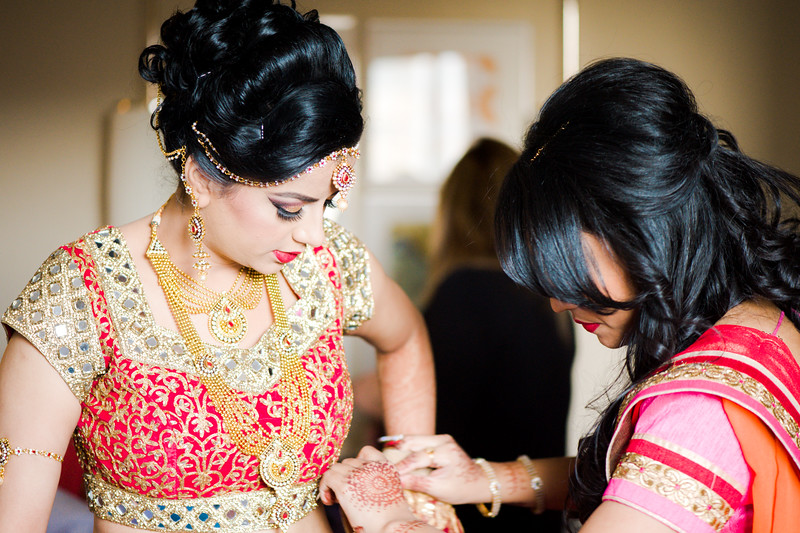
<point>776,480</point>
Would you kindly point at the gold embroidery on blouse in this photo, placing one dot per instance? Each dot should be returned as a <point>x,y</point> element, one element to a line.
<point>253,370</point>
<point>145,428</point>
<point>54,313</point>
<point>353,262</point>
<point>231,512</point>
<point>692,456</point>
<point>675,486</point>
<point>726,376</point>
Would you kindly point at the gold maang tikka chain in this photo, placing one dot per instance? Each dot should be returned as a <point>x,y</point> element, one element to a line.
<point>196,227</point>
<point>279,455</point>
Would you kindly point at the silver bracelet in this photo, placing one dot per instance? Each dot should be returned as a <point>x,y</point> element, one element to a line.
<point>494,488</point>
<point>536,483</point>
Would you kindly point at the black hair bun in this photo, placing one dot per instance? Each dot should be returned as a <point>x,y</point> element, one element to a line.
<point>274,89</point>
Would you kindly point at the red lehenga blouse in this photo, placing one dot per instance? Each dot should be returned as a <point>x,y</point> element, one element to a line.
<point>153,447</point>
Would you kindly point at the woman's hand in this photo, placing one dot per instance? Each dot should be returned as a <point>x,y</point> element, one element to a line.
<point>453,476</point>
<point>369,491</point>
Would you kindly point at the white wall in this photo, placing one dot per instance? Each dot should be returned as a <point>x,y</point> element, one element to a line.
<point>64,66</point>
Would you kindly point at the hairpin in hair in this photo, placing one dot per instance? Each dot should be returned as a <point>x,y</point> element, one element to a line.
<point>553,136</point>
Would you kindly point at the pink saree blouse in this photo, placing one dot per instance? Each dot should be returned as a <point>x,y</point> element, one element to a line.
<point>675,455</point>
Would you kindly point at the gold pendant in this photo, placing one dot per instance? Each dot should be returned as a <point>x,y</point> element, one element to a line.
<point>5,453</point>
<point>279,465</point>
<point>284,511</point>
<point>227,321</point>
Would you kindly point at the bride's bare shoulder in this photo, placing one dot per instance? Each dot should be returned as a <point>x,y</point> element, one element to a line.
<point>137,234</point>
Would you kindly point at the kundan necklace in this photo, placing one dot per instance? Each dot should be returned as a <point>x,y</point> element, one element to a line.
<point>279,455</point>
<point>226,319</point>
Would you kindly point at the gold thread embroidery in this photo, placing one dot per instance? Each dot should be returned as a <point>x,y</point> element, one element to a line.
<point>54,312</point>
<point>692,456</point>
<point>726,376</point>
<point>253,370</point>
<point>144,426</point>
<point>676,487</point>
<point>234,512</point>
<point>353,262</point>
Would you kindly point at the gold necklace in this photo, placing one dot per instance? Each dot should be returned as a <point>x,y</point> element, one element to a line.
<point>246,290</point>
<point>226,319</point>
<point>279,456</point>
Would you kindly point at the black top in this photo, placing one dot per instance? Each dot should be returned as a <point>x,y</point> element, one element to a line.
<point>503,380</point>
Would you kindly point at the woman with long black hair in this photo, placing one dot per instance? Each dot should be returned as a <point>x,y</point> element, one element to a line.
<point>631,211</point>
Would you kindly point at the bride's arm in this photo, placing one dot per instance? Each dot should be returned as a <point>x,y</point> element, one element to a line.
<point>38,413</point>
<point>405,361</point>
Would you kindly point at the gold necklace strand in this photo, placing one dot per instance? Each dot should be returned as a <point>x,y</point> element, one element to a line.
<point>246,290</point>
<point>226,319</point>
<point>279,456</point>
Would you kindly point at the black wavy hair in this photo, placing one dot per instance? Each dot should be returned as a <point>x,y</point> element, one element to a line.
<point>621,152</point>
<point>273,89</point>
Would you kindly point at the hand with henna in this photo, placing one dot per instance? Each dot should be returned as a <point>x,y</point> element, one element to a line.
<point>453,476</point>
<point>369,491</point>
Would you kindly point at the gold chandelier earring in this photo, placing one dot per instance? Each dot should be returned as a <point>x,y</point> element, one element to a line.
<point>197,232</point>
<point>196,227</point>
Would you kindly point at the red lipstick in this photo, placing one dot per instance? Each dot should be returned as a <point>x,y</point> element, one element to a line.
<point>285,257</point>
<point>591,327</point>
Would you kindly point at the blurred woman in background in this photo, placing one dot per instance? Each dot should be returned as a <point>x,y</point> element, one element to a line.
<point>492,339</point>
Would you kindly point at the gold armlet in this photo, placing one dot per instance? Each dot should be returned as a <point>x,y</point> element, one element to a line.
<point>494,488</point>
<point>6,451</point>
<point>536,483</point>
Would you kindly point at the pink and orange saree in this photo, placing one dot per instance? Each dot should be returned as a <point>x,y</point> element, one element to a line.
<point>681,437</point>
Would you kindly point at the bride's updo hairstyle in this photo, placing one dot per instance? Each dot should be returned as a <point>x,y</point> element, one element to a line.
<point>621,152</point>
<point>273,90</point>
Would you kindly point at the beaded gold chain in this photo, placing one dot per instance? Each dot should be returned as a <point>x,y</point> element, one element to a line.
<point>246,290</point>
<point>279,456</point>
<point>6,451</point>
<point>226,319</point>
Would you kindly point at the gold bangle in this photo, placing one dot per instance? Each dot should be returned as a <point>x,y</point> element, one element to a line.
<point>494,488</point>
<point>6,451</point>
<point>536,483</point>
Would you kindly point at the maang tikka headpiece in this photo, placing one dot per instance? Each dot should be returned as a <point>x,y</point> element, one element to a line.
<point>343,177</point>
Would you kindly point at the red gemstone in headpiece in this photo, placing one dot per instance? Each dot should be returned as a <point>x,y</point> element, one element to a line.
<point>344,177</point>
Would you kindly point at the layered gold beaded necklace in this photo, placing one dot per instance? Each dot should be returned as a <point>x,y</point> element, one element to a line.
<point>279,455</point>
<point>226,318</point>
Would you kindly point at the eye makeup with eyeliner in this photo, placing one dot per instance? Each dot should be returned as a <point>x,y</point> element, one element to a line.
<point>289,215</point>
<point>286,214</point>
